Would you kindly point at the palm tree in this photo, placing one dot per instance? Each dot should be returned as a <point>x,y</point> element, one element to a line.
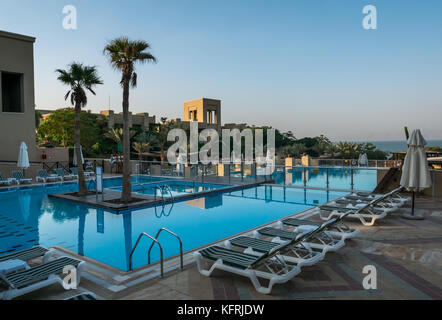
<point>123,54</point>
<point>162,132</point>
<point>79,78</point>
<point>149,138</point>
<point>140,148</point>
<point>116,134</point>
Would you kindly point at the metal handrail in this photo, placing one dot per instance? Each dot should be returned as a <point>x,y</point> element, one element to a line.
<point>176,236</point>
<point>167,187</point>
<point>154,241</point>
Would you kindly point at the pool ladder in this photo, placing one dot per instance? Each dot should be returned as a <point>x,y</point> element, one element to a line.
<point>162,188</point>
<point>155,240</point>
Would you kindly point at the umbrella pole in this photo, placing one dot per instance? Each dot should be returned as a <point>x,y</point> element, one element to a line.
<point>412,216</point>
<point>412,204</point>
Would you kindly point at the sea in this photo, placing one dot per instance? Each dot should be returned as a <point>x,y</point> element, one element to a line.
<point>396,146</point>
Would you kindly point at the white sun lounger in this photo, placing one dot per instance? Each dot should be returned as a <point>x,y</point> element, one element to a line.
<point>271,265</point>
<point>18,176</point>
<point>43,275</point>
<point>44,177</point>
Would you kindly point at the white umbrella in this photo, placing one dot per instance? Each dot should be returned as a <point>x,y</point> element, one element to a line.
<point>415,171</point>
<point>363,159</point>
<point>180,163</point>
<point>74,160</point>
<point>23,157</point>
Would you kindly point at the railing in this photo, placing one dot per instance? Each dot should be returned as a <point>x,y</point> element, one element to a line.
<point>155,240</point>
<point>355,163</point>
<point>176,236</point>
<point>144,234</point>
<point>51,167</point>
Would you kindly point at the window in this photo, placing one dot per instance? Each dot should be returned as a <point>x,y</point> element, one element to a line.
<point>12,92</point>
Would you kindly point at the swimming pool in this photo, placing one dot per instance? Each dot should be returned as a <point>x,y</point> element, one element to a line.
<point>28,217</point>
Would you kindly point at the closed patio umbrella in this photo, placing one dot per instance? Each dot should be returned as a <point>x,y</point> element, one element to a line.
<point>23,157</point>
<point>415,171</point>
<point>74,160</point>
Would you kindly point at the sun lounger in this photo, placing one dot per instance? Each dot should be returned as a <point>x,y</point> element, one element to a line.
<point>28,254</point>
<point>385,207</point>
<point>44,177</point>
<point>366,213</point>
<point>8,181</point>
<point>62,173</point>
<point>394,195</point>
<point>385,202</point>
<point>338,229</point>
<point>18,176</point>
<point>38,277</point>
<point>323,241</point>
<point>270,265</point>
<point>84,296</point>
<point>87,174</point>
<point>300,255</point>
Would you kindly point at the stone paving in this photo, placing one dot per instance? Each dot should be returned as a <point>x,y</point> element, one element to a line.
<point>407,255</point>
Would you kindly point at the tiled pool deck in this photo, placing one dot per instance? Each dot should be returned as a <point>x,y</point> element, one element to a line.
<point>407,255</point>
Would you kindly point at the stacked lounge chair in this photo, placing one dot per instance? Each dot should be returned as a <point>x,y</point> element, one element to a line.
<point>18,176</point>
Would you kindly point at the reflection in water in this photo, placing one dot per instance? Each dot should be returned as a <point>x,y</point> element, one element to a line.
<point>163,212</point>
<point>127,226</point>
<point>25,205</point>
<point>207,202</point>
<point>81,224</point>
<point>100,220</point>
<point>340,178</point>
<point>268,196</point>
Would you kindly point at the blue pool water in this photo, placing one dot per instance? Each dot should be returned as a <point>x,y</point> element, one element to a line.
<point>177,188</point>
<point>339,178</point>
<point>28,217</point>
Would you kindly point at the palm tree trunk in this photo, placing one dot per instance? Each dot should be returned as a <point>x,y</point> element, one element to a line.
<point>126,192</point>
<point>81,181</point>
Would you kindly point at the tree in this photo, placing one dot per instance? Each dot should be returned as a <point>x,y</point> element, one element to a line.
<point>79,78</point>
<point>58,129</point>
<point>38,118</point>
<point>116,134</point>
<point>123,54</point>
<point>161,137</point>
<point>149,138</point>
<point>294,150</point>
<point>140,148</point>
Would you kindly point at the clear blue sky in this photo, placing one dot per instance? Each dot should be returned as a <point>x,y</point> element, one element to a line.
<point>306,66</point>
